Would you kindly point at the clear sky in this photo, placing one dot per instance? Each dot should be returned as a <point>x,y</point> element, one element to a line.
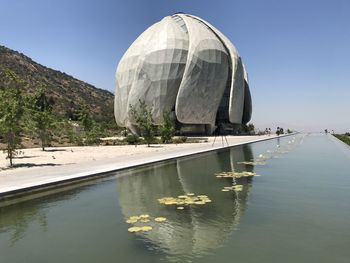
<point>297,52</point>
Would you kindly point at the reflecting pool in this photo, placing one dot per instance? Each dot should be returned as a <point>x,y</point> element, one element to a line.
<point>298,210</point>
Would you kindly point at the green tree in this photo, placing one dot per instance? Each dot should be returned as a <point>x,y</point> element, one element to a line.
<point>11,112</point>
<point>143,118</point>
<point>94,134</point>
<point>92,130</point>
<point>84,117</point>
<point>248,129</point>
<point>40,107</point>
<point>167,128</point>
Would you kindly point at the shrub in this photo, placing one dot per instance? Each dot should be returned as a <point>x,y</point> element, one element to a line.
<point>92,137</point>
<point>181,139</point>
<point>132,139</point>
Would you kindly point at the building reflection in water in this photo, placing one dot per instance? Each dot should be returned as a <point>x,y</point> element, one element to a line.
<point>17,215</point>
<point>197,230</point>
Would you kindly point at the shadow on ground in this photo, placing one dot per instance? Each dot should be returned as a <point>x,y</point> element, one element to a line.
<point>55,150</point>
<point>29,165</point>
<point>25,157</point>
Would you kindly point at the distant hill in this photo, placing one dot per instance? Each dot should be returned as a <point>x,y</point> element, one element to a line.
<point>67,91</point>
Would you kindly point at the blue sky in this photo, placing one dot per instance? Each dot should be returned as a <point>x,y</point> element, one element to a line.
<point>297,52</point>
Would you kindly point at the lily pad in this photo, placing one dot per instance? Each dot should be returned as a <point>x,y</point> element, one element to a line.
<point>129,221</point>
<point>144,216</point>
<point>146,228</point>
<point>160,219</point>
<point>134,229</point>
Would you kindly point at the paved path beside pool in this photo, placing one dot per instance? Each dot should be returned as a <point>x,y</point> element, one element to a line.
<point>37,169</point>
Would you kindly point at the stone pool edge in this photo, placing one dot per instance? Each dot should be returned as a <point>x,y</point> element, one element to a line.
<point>100,173</point>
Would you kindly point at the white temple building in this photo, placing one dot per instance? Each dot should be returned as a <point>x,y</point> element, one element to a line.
<point>184,66</point>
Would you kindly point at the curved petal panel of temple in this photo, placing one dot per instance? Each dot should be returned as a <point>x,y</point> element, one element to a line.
<point>185,67</point>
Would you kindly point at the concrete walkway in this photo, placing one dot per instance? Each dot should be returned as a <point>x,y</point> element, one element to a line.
<point>19,180</point>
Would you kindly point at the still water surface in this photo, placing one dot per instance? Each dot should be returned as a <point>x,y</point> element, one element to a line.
<point>297,211</point>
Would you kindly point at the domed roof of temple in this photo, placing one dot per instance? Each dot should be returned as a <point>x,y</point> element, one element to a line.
<point>185,66</point>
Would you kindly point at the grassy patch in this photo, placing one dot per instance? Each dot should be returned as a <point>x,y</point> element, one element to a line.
<point>343,138</point>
